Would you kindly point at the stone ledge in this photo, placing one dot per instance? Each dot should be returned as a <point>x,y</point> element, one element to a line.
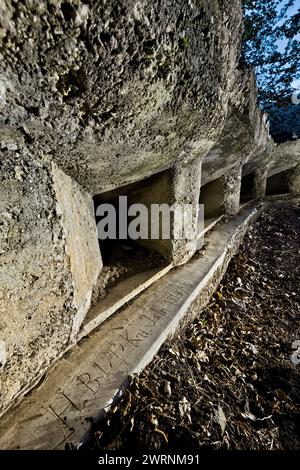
<point>88,377</point>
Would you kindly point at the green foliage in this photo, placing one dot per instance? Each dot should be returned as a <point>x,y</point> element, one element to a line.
<point>276,63</point>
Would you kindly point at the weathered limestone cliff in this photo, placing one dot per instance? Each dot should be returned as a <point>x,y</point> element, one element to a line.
<point>114,91</point>
<point>94,96</point>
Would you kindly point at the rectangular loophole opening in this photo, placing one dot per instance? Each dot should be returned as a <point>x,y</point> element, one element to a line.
<point>278,184</point>
<point>129,265</point>
<point>123,258</point>
<point>247,188</point>
<point>212,196</point>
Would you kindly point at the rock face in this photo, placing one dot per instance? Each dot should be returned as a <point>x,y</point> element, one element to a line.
<point>245,135</point>
<point>114,91</point>
<point>94,96</point>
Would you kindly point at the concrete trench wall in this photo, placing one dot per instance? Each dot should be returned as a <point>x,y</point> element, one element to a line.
<point>221,196</point>
<point>177,186</point>
<point>94,98</point>
<point>48,282</point>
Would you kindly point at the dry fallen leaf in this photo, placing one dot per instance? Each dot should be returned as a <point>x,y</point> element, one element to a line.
<point>167,388</point>
<point>185,409</point>
<point>221,418</point>
<point>154,420</point>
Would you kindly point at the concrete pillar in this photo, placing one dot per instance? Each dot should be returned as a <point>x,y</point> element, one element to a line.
<point>232,189</point>
<point>175,188</point>
<point>260,183</point>
<point>185,193</point>
<point>294,181</point>
<point>76,209</point>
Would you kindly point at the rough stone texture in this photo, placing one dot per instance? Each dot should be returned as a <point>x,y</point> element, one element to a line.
<point>76,209</point>
<point>260,181</point>
<point>245,138</point>
<point>178,189</point>
<point>36,285</point>
<point>232,190</point>
<point>97,95</point>
<point>40,289</point>
<point>295,181</point>
<point>222,195</point>
<point>186,191</point>
<point>253,185</point>
<point>285,161</point>
<point>118,90</point>
<point>285,156</point>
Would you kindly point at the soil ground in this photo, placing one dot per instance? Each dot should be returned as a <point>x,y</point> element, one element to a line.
<point>228,381</point>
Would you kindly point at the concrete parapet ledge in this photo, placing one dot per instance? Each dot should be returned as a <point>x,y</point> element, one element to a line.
<point>88,377</point>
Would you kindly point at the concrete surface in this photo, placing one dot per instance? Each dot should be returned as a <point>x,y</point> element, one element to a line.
<point>87,378</point>
<point>94,97</point>
<point>49,261</point>
<point>114,92</point>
